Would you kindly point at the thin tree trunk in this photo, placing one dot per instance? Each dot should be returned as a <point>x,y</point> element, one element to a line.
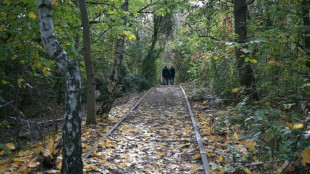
<point>72,148</point>
<point>90,75</point>
<point>120,47</point>
<point>246,76</point>
<point>306,20</point>
<point>77,36</point>
<point>149,69</point>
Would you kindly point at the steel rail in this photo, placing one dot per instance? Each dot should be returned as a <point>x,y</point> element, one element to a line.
<point>204,158</point>
<point>90,151</point>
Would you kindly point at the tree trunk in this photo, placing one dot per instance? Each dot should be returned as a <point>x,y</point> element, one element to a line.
<point>77,36</point>
<point>90,75</point>
<point>306,19</point>
<point>120,46</point>
<point>149,68</point>
<point>72,148</point>
<point>246,76</point>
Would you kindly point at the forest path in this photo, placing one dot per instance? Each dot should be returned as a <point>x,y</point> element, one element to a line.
<point>157,137</point>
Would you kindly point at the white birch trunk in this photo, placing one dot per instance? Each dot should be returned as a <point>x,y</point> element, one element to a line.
<point>120,47</point>
<point>72,148</point>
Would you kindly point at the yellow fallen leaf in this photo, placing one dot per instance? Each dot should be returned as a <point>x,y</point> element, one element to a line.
<point>212,137</point>
<point>193,170</point>
<point>59,166</point>
<point>220,158</point>
<point>247,171</point>
<point>10,146</point>
<point>162,133</point>
<point>2,153</point>
<point>251,145</point>
<point>2,168</point>
<point>191,150</point>
<point>124,165</point>
<point>160,154</point>
<point>88,166</point>
<point>306,156</point>
<point>236,135</point>
<point>107,145</point>
<point>197,157</point>
<point>186,139</point>
<point>38,150</point>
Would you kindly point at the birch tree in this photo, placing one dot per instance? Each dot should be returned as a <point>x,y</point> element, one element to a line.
<point>120,46</point>
<point>72,148</point>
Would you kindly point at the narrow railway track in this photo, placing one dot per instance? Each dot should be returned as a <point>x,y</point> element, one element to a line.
<point>157,137</point>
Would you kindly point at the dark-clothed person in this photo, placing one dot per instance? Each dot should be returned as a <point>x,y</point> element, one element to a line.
<point>166,75</point>
<point>172,74</point>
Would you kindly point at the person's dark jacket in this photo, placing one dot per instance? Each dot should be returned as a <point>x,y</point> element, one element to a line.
<point>172,72</point>
<point>166,73</point>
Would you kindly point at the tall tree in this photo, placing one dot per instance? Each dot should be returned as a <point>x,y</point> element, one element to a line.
<point>306,20</point>
<point>163,25</point>
<point>246,76</point>
<point>149,68</point>
<point>72,148</point>
<point>120,47</point>
<point>90,75</point>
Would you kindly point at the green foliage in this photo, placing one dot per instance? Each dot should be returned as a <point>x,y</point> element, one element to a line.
<point>280,133</point>
<point>4,125</point>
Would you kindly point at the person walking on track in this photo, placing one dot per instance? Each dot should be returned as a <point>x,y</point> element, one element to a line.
<point>172,74</point>
<point>166,75</point>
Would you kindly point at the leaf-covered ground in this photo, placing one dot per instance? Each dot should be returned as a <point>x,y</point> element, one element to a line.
<point>157,137</point>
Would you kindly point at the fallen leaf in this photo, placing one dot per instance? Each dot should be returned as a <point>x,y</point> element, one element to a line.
<point>2,152</point>
<point>52,171</point>
<point>212,137</point>
<point>247,171</point>
<point>124,165</point>
<point>220,158</point>
<point>59,166</point>
<point>2,168</point>
<point>191,150</point>
<point>251,145</point>
<point>236,136</point>
<point>10,146</point>
<point>198,156</point>
<point>306,156</point>
<point>160,154</point>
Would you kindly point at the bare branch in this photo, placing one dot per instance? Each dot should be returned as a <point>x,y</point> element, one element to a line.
<point>208,36</point>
